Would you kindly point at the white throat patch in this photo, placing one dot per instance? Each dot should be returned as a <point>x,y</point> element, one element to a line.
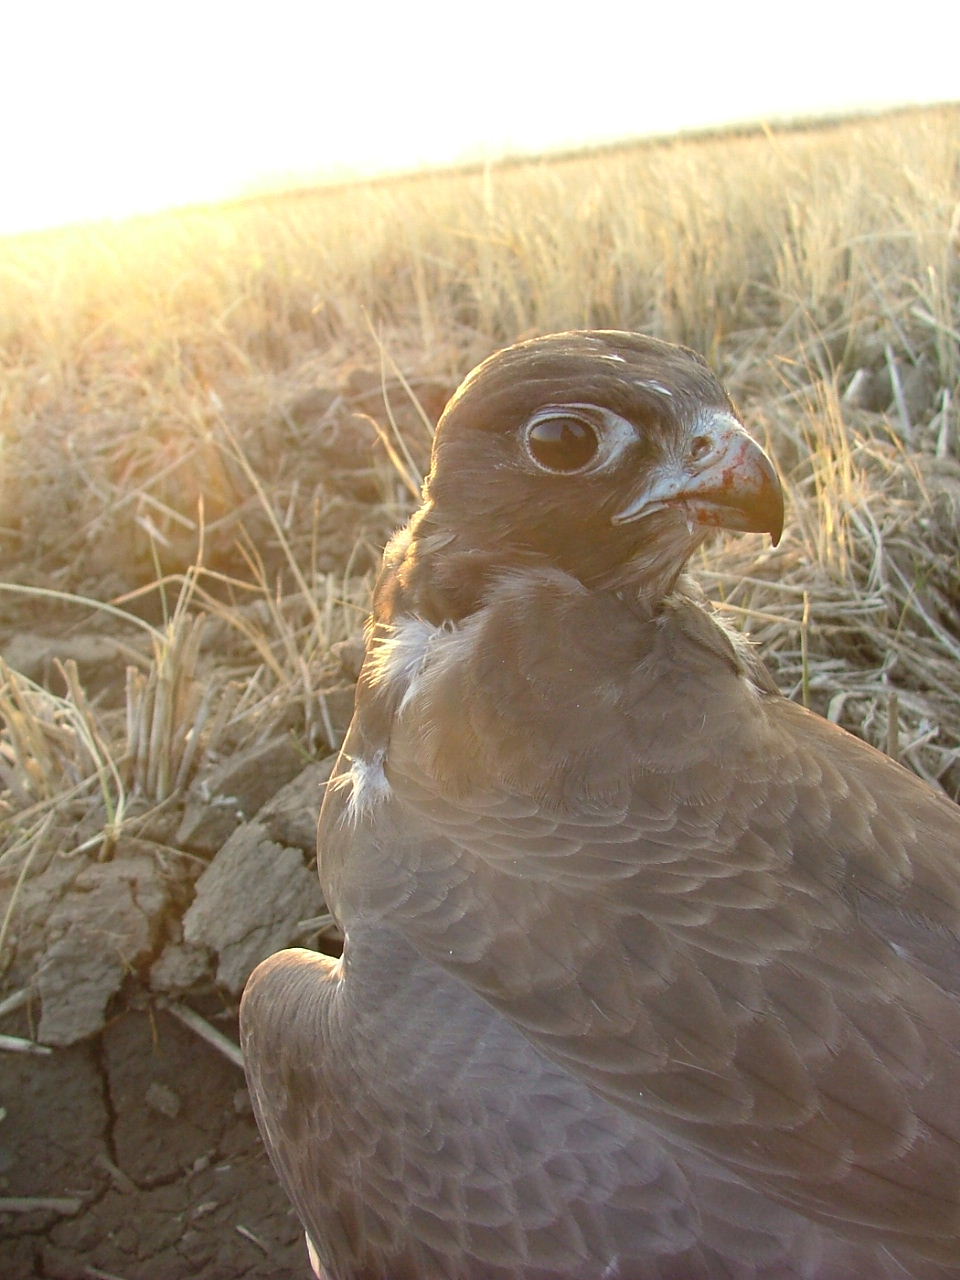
<point>394,665</point>
<point>398,658</point>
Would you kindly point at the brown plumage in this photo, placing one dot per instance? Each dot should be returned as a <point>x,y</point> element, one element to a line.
<point>649,973</point>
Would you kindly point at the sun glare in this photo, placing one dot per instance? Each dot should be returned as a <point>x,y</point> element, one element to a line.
<point>126,109</point>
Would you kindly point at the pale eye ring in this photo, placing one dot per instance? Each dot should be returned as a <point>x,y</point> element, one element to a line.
<point>561,442</point>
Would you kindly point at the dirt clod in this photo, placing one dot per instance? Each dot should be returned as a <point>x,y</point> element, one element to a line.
<point>97,936</point>
<point>249,902</point>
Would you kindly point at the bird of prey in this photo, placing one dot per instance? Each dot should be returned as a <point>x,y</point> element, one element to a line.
<point>648,973</point>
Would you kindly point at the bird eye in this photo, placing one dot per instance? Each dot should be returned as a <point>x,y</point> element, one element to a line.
<point>562,443</point>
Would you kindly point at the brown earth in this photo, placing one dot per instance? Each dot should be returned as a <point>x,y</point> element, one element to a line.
<point>141,1134</point>
<point>148,1131</point>
<point>136,1129</point>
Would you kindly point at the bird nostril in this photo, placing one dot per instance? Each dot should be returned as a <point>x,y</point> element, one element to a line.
<point>700,446</point>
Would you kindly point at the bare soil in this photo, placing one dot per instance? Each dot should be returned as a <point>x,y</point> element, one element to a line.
<point>149,1132</point>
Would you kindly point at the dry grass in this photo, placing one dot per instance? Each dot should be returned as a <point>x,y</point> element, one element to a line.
<point>157,425</point>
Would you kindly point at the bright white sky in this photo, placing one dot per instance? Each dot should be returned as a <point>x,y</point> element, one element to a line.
<point>110,108</point>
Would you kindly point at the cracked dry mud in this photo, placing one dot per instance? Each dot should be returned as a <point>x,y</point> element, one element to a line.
<point>133,1142</point>
<point>149,1131</point>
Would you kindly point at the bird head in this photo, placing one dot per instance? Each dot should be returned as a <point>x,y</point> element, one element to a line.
<point>610,455</point>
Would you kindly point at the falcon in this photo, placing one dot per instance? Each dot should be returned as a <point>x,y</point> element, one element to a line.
<point>648,972</point>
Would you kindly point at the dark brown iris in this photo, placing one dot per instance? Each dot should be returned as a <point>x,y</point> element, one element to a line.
<point>563,444</point>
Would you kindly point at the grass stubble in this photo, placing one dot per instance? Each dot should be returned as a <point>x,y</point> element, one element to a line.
<point>171,385</point>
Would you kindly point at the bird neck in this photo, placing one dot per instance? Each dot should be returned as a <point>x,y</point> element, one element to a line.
<point>434,569</point>
<point>434,572</point>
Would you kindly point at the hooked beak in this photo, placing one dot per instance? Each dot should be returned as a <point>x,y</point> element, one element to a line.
<point>725,479</point>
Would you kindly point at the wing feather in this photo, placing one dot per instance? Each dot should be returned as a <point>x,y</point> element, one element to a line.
<point>707,873</point>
